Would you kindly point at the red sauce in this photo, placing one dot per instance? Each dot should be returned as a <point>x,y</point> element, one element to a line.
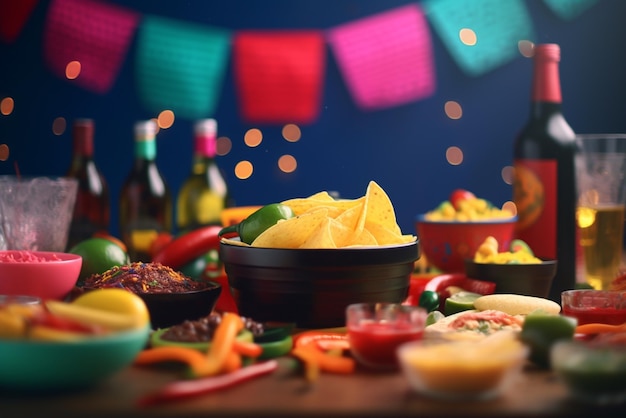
<point>593,315</point>
<point>374,344</point>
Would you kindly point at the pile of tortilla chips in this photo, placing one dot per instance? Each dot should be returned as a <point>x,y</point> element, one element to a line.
<point>323,222</point>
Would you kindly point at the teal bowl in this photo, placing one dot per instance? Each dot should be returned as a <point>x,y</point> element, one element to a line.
<point>43,366</point>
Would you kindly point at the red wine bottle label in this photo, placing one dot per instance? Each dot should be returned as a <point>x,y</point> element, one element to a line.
<point>534,193</point>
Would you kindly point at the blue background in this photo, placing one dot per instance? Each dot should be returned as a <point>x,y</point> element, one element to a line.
<point>402,148</point>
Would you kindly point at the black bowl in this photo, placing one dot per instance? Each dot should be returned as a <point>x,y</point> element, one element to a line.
<point>521,279</point>
<point>313,287</point>
<point>167,309</point>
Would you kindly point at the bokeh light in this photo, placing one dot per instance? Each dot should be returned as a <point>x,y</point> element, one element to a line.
<point>453,110</point>
<point>7,105</point>
<point>291,132</point>
<point>4,152</point>
<point>526,48</point>
<point>510,206</point>
<point>467,36</point>
<point>59,125</point>
<point>454,155</point>
<point>507,174</point>
<point>253,137</point>
<point>244,170</point>
<point>166,119</point>
<point>223,145</point>
<point>287,163</point>
<point>72,70</point>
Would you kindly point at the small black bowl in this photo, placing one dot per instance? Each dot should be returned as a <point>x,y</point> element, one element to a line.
<point>312,287</point>
<point>522,279</point>
<point>167,309</point>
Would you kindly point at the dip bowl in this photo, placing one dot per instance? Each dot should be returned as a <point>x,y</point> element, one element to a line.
<point>595,306</point>
<point>447,244</point>
<point>462,370</point>
<point>312,287</point>
<point>42,274</point>
<point>376,330</point>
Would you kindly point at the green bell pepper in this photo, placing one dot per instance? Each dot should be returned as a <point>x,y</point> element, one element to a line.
<point>257,222</point>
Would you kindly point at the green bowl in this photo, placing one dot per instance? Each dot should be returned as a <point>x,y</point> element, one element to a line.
<point>59,366</point>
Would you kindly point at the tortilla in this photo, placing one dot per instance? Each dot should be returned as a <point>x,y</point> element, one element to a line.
<point>514,304</point>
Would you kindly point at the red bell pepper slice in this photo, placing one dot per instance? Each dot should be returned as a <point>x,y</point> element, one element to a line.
<point>322,339</point>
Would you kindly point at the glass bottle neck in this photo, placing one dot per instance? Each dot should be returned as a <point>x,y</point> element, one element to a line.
<point>145,148</point>
<point>546,81</point>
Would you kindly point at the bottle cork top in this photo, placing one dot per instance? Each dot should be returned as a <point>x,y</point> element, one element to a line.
<point>145,128</point>
<point>548,52</point>
<point>206,127</point>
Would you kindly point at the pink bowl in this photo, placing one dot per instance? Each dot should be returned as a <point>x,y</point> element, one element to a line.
<point>447,244</point>
<point>47,275</point>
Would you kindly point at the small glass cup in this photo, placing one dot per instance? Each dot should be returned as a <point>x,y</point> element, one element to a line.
<point>594,306</point>
<point>375,330</point>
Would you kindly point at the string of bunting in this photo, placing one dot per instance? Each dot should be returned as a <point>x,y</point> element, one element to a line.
<point>386,59</point>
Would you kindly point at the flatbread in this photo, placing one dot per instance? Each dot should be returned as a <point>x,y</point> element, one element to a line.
<point>514,304</point>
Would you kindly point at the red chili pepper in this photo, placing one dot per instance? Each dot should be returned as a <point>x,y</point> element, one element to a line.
<point>323,340</point>
<point>189,246</point>
<point>187,388</point>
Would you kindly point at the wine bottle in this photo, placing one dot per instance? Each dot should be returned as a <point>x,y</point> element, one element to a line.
<point>145,199</point>
<point>544,188</point>
<point>92,207</point>
<point>204,193</point>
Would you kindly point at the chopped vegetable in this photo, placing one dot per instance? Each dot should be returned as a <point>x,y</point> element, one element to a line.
<point>324,340</point>
<point>222,343</point>
<point>599,328</point>
<point>258,222</point>
<point>314,357</point>
<point>188,388</point>
<point>191,357</point>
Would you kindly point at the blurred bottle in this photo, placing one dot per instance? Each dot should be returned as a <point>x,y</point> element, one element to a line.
<point>204,194</point>
<point>92,208</point>
<point>544,188</point>
<point>145,200</point>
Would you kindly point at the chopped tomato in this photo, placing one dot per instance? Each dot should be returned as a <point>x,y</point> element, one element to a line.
<point>459,195</point>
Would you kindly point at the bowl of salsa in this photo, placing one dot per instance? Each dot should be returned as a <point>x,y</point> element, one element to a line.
<point>590,306</point>
<point>376,330</point>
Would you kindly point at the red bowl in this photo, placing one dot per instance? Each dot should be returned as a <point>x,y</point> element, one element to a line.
<point>447,244</point>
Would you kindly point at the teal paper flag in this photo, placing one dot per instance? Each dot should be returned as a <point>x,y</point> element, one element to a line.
<point>569,9</point>
<point>180,66</point>
<point>491,30</point>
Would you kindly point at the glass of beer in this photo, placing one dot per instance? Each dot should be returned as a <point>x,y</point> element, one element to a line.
<point>600,177</point>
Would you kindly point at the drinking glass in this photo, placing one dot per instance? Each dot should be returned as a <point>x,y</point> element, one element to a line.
<point>35,212</point>
<point>600,173</point>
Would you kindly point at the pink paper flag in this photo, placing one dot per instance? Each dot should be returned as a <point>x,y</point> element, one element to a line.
<point>386,60</point>
<point>95,34</point>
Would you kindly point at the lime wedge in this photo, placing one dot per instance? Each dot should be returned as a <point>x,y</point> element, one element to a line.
<point>433,317</point>
<point>460,301</point>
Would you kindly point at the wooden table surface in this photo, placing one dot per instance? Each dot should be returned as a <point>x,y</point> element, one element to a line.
<point>286,393</point>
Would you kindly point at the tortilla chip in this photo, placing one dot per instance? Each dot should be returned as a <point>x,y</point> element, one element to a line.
<point>322,237</point>
<point>291,233</point>
<point>379,208</point>
<point>385,236</point>
<point>364,238</point>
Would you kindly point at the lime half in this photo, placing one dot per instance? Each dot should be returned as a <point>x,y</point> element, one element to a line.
<point>460,301</point>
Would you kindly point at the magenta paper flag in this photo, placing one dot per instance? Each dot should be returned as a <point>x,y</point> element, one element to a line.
<point>181,66</point>
<point>279,75</point>
<point>386,60</point>
<point>95,34</point>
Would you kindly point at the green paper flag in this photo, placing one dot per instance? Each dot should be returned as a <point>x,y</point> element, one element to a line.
<point>180,66</point>
<point>497,26</point>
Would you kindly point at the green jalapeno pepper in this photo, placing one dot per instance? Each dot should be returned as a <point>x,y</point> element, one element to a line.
<point>258,221</point>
